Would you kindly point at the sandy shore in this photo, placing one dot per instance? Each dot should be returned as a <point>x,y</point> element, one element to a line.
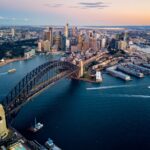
<point>7,61</point>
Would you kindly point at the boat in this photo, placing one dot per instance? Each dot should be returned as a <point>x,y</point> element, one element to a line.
<point>148,87</point>
<point>50,145</point>
<point>36,127</point>
<point>11,70</point>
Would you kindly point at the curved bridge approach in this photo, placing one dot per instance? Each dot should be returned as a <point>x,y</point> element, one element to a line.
<point>36,81</point>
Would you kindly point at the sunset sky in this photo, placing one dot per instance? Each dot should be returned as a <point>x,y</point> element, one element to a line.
<point>76,12</point>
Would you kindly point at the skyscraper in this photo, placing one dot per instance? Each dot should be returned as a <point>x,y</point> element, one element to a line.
<point>66,30</point>
<point>48,35</point>
<point>74,31</point>
<point>12,32</point>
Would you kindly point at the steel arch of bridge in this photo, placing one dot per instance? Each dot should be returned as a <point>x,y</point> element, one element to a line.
<point>37,80</point>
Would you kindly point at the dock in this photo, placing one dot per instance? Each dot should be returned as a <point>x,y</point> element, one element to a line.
<point>146,65</point>
<point>142,69</point>
<point>118,74</point>
<point>129,69</point>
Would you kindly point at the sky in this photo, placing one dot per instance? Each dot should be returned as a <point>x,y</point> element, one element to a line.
<point>75,12</point>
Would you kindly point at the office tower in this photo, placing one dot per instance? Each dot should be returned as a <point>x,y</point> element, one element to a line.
<point>74,31</point>
<point>103,42</point>
<point>91,34</point>
<point>40,46</point>
<point>86,45</point>
<point>67,44</point>
<point>125,36</point>
<point>47,46</point>
<point>63,42</point>
<point>48,35</point>
<point>66,30</point>
<point>12,32</point>
<point>3,127</point>
<point>122,45</point>
<point>57,40</point>
<point>80,42</point>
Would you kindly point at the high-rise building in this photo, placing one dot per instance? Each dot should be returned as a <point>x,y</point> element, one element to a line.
<point>67,44</point>
<point>80,42</point>
<point>48,35</point>
<point>74,32</point>
<point>66,30</point>
<point>103,42</point>
<point>125,36</point>
<point>12,32</point>
<point>63,42</point>
<point>57,40</point>
<point>122,45</point>
<point>3,126</point>
<point>40,46</point>
<point>46,46</point>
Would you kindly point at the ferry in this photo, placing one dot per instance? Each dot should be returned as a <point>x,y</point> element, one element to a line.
<point>36,127</point>
<point>50,145</point>
<point>11,71</point>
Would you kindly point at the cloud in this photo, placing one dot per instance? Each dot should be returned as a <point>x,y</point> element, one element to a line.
<point>53,5</point>
<point>13,19</point>
<point>98,5</point>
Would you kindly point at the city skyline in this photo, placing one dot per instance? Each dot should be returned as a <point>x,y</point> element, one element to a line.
<point>79,12</point>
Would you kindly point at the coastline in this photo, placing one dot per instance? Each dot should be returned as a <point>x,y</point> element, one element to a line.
<point>8,61</point>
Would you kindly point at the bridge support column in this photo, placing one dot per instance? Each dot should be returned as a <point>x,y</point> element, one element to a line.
<point>3,126</point>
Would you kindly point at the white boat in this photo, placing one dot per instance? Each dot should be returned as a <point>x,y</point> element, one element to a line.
<point>36,127</point>
<point>148,87</point>
<point>99,76</point>
<point>11,70</point>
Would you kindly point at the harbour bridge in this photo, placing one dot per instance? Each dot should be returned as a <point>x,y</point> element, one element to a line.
<point>36,81</point>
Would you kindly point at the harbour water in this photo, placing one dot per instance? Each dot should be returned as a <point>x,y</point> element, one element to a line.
<point>114,115</point>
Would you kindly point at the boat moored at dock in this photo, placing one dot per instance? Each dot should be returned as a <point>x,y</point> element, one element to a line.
<point>50,145</point>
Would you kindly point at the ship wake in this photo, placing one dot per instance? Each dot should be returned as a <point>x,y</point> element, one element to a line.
<point>130,96</point>
<point>110,87</point>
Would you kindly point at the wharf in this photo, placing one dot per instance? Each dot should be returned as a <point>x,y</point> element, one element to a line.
<point>130,70</point>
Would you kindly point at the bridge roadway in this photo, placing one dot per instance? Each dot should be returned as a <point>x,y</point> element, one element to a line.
<point>35,82</point>
<point>40,88</point>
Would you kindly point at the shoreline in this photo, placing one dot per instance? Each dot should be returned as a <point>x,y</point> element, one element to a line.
<point>87,80</point>
<point>8,61</point>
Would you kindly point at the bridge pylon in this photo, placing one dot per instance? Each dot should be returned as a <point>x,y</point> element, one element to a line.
<point>3,126</point>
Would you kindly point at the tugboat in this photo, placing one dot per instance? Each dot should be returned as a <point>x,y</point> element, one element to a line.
<point>50,145</point>
<point>36,127</point>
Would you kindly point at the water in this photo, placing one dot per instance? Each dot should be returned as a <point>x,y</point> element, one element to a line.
<point>76,118</point>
